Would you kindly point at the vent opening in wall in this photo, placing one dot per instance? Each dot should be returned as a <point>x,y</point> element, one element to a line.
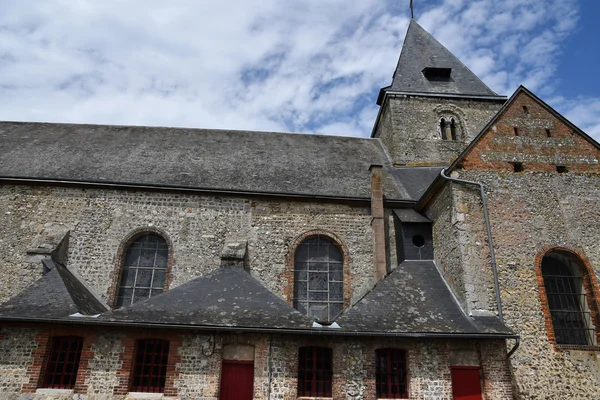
<point>548,134</point>
<point>437,74</point>
<point>414,235</point>
<point>517,167</point>
<point>525,110</point>
<point>418,240</point>
<point>561,169</point>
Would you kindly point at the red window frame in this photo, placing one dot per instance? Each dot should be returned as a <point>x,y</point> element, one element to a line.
<point>315,371</point>
<point>63,362</point>
<point>390,374</point>
<point>149,372</point>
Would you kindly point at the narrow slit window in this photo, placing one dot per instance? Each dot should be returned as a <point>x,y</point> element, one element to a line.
<point>390,374</point>
<point>525,110</point>
<point>561,169</point>
<point>62,363</point>
<point>516,131</point>
<point>548,133</point>
<point>315,371</point>
<point>150,366</point>
<point>517,167</point>
<point>443,129</point>
<point>453,129</point>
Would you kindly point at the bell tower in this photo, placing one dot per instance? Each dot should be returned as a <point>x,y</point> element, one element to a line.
<point>435,105</point>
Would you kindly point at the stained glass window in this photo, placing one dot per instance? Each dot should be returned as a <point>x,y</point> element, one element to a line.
<point>144,269</point>
<point>319,279</point>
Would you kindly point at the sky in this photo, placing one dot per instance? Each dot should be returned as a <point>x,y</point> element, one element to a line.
<point>311,66</point>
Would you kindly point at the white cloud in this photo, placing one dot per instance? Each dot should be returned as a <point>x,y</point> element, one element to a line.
<point>311,66</point>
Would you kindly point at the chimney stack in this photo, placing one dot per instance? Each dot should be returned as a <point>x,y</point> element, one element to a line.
<point>377,222</point>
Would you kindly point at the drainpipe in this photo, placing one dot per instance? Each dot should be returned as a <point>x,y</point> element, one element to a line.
<point>489,235</point>
<point>515,347</point>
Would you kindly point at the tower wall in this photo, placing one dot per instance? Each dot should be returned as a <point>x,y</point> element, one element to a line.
<point>409,127</point>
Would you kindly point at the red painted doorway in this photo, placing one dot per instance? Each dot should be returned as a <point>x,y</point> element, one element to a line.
<point>237,380</point>
<point>465,383</point>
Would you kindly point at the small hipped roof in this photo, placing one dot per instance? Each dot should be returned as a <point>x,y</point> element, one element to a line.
<point>415,298</point>
<point>57,294</point>
<point>227,297</point>
<point>421,50</point>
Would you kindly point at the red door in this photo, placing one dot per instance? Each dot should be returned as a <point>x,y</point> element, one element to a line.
<point>237,380</point>
<point>465,383</point>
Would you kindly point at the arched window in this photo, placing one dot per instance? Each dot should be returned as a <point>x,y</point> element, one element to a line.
<point>319,279</point>
<point>144,269</point>
<point>443,128</point>
<point>453,129</point>
<point>567,298</point>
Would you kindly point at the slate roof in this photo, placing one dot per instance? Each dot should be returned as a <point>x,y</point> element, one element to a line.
<point>227,297</point>
<point>53,297</point>
<point>415,180</point>
<point>238,161</point>
<point>415,298</point>
<point>421,50</point>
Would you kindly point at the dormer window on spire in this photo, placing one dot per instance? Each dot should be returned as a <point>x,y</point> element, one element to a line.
<point>437,74</point>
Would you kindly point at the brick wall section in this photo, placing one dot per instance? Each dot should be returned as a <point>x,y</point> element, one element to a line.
<point>530,212</point>
<point>538,152</point>
<point>495,371</point>
<point>409,127</point>
<point>195,364</point>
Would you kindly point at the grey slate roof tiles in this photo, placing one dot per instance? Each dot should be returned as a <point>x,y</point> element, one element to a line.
<point>57,294</point>
<point>227,297</point>
<point>412,299</point>
<point>239,161</point>
<point>421,50</point>
<point>415,298</point>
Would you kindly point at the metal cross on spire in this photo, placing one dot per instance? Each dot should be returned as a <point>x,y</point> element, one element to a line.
<point>412,10</point>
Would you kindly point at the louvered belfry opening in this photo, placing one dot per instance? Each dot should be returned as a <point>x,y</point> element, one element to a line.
<point>315,371</point>
<point>390,374</point>
<point>150,366</point>
<point>63,362</point>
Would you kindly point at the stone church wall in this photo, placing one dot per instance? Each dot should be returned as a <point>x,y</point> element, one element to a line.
<point>197,358</point>
<point>532,211</point>
<point>409,127</point>
<point>197,227</point>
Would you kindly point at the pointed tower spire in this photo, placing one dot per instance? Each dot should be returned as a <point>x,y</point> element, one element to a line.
<point>427,67</point>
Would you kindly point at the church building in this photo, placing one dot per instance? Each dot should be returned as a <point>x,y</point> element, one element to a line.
<point>454,254</point>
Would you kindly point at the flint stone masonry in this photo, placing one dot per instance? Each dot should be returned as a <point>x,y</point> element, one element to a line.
<point>200,356</point>
<point>530,213</point>
<point>409,127</point>
<point>197,226</point>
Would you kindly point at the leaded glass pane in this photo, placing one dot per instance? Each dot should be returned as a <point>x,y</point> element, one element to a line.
<point>567,301</point>
<point>144,267</point>
<point>318,279</point>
